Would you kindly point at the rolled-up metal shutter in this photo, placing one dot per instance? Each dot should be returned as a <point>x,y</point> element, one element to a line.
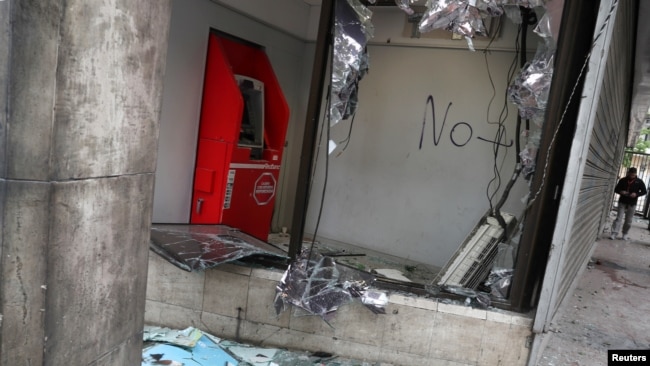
<point>603,124</point>
<point>605,147</point>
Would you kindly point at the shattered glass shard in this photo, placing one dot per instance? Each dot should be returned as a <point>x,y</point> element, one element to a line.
<point>320,286</point>
<point>199,247</point>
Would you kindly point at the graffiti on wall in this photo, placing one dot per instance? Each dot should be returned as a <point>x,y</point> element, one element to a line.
<point>460,134</point>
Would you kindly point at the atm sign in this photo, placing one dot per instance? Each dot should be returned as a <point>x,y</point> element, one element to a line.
<point>264,189</point>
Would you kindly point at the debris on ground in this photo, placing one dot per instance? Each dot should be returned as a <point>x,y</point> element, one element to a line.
<point>192,347</point>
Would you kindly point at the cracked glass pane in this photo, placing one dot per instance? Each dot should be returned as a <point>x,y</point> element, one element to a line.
<point>198,247</point>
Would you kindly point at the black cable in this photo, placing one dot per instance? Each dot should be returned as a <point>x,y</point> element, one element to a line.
<point>347,139</point>
<point>313,172</point>
<point>522,62</point>
<point>322,200</point>
<point>499,136</point>
<point>494,90</point>
<point>528,18</point>
<point>505,111</point>
<point>320,136</point>
<point>326,118</point>
<point>501,130</point>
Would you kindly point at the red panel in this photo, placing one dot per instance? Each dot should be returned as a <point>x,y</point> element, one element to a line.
<point>207,207</point>
<point>253,199</point>
<point>223,105</point>
<point>204,180</point>
<point>272,156</point>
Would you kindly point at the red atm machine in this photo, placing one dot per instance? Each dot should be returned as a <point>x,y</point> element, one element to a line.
<point>244,118</point>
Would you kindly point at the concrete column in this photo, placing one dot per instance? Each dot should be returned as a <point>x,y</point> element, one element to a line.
<point>80,94</point>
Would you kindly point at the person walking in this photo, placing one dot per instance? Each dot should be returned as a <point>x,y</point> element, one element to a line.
<point>629,189</point>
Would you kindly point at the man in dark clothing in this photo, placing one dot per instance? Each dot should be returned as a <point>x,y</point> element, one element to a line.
<point>629,189</point>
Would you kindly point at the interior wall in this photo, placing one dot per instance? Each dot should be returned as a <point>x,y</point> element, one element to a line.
<point>183,87</point>
<point>383,191</point>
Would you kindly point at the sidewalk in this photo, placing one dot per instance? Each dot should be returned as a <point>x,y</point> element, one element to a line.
<point>609,308</point>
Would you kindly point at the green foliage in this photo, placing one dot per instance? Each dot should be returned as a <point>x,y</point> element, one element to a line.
<point>627,158</point>
<point>642,144</point>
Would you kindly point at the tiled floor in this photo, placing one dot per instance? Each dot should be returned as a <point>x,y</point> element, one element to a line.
<point>609,308</point>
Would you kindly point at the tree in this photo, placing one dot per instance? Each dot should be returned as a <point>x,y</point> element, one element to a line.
<point>642,144</point>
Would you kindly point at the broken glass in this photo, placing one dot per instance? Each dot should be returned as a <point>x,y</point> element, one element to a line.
<point>543,28</point>
<point>529,154</point>
<point>249,354</point>
<point>490,7</point>
<point>199,247</point>
<point>499,282</point>
<point>316,284</point>
<point>465,17</point>
<point>352,30</point>
<point>405,5</point>
<point>529,90</point>
<point>500,277</point>
<point>473,298</point>
<point>375,301</point>
<point>524,3</point>
<point>461,17</point>
<point>513,13</point>
<point>206,352</point>
<point>186,338</point>
<point>213,351</point>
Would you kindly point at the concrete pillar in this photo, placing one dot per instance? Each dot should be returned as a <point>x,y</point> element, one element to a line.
<point>80,94</point>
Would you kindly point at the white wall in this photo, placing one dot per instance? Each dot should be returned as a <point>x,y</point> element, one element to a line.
<point>386,194</point>
<point>183,85</point>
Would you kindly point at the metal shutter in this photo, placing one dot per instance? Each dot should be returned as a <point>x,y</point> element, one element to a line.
<point>583,216</point>
<point>605,148</point>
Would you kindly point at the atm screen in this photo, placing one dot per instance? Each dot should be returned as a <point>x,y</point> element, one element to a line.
<point>251,133</point>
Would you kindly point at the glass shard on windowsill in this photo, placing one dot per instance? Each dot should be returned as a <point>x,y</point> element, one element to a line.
<point>316,284</point>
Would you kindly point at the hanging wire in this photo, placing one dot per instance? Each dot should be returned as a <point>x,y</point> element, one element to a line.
<point>320,136</point>
<point>326,118</point>
<point>354,114</point>
<point>501,130</point>
<point>347,139</point>
<point>324,126</point>
<point>566,107</point>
